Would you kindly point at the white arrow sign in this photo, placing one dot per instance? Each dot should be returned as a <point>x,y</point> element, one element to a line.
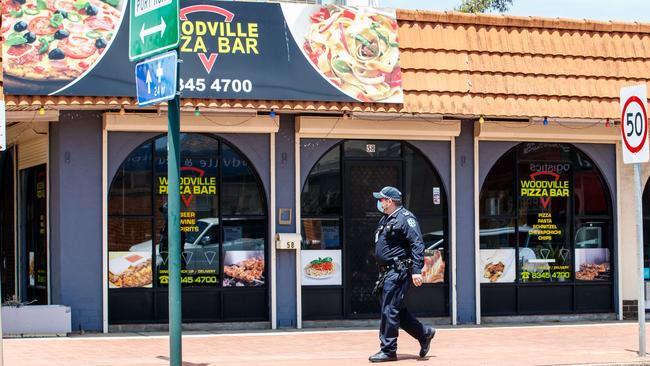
<point>159,72</point>
<point>155,78</point>
<point>144,32</point>
<point>148,81</point>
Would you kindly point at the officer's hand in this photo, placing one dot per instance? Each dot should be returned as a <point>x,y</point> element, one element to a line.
<point>417,279</point>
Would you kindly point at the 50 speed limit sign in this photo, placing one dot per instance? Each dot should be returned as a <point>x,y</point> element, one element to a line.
<point>634,124</point>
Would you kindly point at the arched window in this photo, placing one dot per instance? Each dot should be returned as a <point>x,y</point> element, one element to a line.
<point>339,216</point>
<point>545,217</point>
<point>223,218</point>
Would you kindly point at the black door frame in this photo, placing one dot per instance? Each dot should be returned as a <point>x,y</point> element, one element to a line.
<point>347,165</point>
<point>431,299</point>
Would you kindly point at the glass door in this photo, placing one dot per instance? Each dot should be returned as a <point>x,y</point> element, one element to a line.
<point>7,226</point>
<point>33,224</point>
<point>361,217</point>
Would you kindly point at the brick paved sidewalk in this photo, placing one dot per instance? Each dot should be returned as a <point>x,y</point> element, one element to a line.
<point>502,346</point>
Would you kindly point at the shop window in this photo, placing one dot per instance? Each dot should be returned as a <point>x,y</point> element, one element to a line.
<point>241,194</point>
<point>592,257</point>
<point>497,233</point>
<point>131,188</point>
<point>590,192</point>
<point>129,252</point>
<point>559,227</point>
<point>327,219</point>
<point>497,195</point>
<point>243,242</point>
<point>7,225</point>
<point>321,194</point>
<point>535,151</point>
<point>33,208</point>
<point>222,218</point>
<point>423,185</point>
<point>321,234</point>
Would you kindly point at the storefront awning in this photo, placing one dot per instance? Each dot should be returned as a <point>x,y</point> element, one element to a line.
<point>458,64</point>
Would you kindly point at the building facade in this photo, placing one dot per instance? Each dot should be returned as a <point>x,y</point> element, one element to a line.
<point>506,146</point>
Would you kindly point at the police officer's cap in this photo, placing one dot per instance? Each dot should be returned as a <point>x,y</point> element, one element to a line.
<point>389,192</point>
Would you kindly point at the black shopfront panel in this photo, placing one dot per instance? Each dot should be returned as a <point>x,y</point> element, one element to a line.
<point>546,241</point>
<point>223,233</point>
<point>339,216</point>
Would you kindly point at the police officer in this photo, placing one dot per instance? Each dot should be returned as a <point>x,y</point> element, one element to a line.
<point>399,253</point>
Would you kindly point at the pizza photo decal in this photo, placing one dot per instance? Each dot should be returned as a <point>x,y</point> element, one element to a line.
<point>56,41</point>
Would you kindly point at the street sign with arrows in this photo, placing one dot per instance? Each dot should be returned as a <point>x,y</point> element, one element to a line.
<point>153,27</point>
<point>155,79</point>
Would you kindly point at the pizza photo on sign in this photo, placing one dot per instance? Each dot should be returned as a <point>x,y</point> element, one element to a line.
<point>56,40</point>
<point>356,49</point>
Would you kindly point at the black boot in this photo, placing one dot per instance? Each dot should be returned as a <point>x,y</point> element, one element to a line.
<point>382,357</point>
<point>425,343</point>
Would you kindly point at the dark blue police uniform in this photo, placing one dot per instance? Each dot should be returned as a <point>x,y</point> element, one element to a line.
<point>398,239</point>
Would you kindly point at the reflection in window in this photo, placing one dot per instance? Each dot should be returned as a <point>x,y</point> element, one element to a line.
<point>562,231</point>
<point>545,263</point>
<point>422,182</point>
<point>131,189</point>
<point>215,181</point>
<point>536,151</point>
<point>322,208</point>
<point>129,252</point>
<point>34,228</point>
<point>497,233</point>
<point>497,195</point>
<point>241,192</point>
<point>321,234</point>
<point>322,192</point>
<point>590,197</point>
<point>243,242</point>
<point>592,256</point>
<point>435,245</point>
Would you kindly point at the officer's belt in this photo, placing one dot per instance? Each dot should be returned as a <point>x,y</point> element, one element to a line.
<point>395,263</point>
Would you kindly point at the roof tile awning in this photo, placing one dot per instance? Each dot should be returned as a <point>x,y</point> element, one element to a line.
<point>473,64</point>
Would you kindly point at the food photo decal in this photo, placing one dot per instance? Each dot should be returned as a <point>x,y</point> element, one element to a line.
<point>357,50</point>
<point>248,272</point>
<point>320,268</point>
<point>56,39</point>
<point>136,274</point>
<point>493,271</point>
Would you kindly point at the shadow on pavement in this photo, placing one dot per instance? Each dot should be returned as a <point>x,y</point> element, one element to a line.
<point>401,356</point>
<point>185,363</point>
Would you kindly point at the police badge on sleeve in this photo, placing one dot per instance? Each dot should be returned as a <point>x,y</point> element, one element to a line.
<point>411,221</point>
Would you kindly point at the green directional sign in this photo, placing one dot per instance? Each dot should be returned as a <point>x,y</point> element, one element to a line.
<point>153,27</point>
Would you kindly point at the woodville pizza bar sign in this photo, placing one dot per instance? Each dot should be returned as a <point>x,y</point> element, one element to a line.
<point>230,50</point>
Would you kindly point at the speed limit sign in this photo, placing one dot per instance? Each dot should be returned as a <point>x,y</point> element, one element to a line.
<point>634,124</point>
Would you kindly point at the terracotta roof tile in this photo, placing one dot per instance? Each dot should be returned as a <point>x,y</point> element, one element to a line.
<point>469,64</point>
<point>475,64</point>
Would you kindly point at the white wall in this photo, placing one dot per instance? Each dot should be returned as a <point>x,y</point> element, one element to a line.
<point>628,245</point>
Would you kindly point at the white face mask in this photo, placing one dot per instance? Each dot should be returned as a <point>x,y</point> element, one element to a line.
<point>380,208</point>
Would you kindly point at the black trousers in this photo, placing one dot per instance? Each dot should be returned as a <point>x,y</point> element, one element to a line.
<point>394,314</point>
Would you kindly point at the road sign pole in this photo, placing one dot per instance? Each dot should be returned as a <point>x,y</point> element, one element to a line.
<point>639,243</point>
<point>173,217</point>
